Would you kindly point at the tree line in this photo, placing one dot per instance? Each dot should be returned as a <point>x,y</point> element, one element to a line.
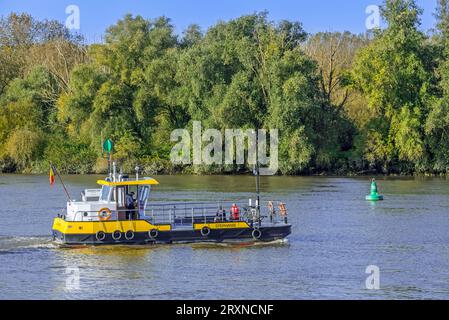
<point>343,103</point>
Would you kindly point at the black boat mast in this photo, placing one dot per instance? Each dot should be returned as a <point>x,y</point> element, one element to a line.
<point>257,174</point>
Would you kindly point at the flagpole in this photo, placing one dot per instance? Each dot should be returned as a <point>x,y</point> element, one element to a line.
<point>62,182</point>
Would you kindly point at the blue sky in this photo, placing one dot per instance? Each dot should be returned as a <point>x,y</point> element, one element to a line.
<point>316,15</point>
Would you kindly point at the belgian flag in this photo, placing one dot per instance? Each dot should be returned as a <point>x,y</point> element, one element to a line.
<point>52,176</point>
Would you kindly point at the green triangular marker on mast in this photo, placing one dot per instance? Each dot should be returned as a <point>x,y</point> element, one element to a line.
<point>108,145</point>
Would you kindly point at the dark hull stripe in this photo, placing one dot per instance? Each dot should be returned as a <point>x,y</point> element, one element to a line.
<point>216,235</point>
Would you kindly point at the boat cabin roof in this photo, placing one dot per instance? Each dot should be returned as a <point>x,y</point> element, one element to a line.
<point>145,181</point>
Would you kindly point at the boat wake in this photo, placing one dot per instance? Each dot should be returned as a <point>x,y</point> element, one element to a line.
<point>12,243</point>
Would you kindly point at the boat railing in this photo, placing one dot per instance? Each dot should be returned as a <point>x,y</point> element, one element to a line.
<point>275,211</point>
<point>189,213</point>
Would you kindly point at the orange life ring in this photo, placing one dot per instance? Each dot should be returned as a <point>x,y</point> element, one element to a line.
<point>104,218</point>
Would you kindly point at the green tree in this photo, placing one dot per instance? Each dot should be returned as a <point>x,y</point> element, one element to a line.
<point>341,102</point>
<point>437,123</point>
<point>25,115</point>
<point>253,73</point>
<point>26,42</point>
<point>129,88</point>
<point>392,73</point>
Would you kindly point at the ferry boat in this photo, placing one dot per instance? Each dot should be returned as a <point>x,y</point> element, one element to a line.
<point>121,212</point>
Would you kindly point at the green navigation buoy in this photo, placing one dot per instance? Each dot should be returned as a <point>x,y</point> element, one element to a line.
<point>374,195</point>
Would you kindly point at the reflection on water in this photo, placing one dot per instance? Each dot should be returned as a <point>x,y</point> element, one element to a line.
<point>336,235</point>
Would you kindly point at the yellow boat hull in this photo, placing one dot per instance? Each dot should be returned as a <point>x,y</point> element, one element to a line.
<point>142,231</point>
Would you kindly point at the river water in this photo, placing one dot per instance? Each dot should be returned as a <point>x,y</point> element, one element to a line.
<point>336,235</point>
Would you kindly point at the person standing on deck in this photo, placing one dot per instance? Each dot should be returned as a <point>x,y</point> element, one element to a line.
<point>271,210</point>
<point>235,215</point>
<point>130,205</point>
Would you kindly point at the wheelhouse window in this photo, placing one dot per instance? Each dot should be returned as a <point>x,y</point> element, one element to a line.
<point>143,198</point>
<point>105,192</point>
<point>144,193</point>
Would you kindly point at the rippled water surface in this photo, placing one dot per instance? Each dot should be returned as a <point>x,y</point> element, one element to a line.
<point>335,236</point>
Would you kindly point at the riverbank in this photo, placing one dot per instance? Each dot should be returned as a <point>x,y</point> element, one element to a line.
<point>190,171</point>
<point>162,166</point>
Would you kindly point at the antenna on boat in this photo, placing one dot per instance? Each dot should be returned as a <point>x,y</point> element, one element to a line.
<point>114,171</point>
<point>137,172</point>
<point>257,174</point>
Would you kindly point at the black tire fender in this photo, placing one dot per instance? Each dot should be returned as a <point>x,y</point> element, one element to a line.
<point>100,235</point>
<point>205,231</point>
<point>116,235</point>
<point>129,235</point>
<point>256,234</point>
<point>153,233</point>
